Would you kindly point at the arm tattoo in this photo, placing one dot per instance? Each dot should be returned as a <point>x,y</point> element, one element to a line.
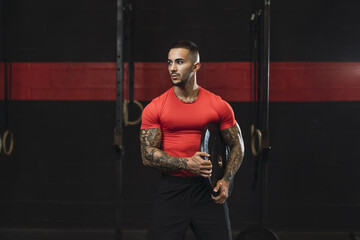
<point>233,138</point>
<point>150,141</point>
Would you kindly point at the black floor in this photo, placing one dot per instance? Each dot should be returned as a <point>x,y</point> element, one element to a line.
<point>50,234</point>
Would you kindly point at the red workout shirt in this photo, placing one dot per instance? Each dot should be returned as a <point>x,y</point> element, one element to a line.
<point>182,123</point>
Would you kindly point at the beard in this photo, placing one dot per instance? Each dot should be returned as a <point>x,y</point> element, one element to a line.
<point>182,81</point>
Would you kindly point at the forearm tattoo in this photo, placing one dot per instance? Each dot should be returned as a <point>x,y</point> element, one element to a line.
<point>150,141</point>
<point>233,138</point>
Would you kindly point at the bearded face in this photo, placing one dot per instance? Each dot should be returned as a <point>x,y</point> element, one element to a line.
<point>180,66</point>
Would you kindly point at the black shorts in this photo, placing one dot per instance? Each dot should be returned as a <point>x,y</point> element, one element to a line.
<point>181,202</point>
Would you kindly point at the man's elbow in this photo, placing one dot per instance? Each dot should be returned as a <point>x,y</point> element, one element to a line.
<point>145,161</point>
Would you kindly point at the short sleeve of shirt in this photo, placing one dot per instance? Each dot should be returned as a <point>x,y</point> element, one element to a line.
<point>227,117</point>
<point>150,117</point>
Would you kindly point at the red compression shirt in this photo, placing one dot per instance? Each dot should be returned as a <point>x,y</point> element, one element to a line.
<point>182,123</point>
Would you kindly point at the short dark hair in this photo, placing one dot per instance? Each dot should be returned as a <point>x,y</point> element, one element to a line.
<point>192,47</point>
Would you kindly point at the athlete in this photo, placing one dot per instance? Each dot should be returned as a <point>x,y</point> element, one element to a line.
<point>170,137</point>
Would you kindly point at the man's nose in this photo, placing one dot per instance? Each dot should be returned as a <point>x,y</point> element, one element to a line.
<point>173,68</point>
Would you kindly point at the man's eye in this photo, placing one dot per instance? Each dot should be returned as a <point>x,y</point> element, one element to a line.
<point>179,62</point>
<point>169,63</point>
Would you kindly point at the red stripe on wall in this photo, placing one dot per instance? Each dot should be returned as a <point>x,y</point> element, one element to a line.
<point>315,81</point>
<point>289,81</point>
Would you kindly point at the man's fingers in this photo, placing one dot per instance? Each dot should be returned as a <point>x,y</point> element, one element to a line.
<point>220,199</point>
<point>209,171</point>
<point>206,167</point>
<point>204,154</point>
<point>206,172</point>
<point>200,166</point>
<point>205,175</point>
<point>222,188</point>
<point>218,185</point>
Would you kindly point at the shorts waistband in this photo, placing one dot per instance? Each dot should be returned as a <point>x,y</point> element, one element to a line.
<point>184,180</point>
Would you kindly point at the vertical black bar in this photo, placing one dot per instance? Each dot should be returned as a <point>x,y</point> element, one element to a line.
<point>6,92</point>
<point>255,47</point>
<point>10,81</point>
<point>129,31</point>
<point>118,132</point>
<point>265,110</point>
<point>266,63</point>
<point>261,89</point>
<point>119,64</point>
<point>260,52</point>
<point>4,9</point>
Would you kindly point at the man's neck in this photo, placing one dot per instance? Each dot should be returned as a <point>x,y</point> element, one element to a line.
<point>187,93</point>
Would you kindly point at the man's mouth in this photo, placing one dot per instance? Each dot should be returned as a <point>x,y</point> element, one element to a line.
<point>174,76</point>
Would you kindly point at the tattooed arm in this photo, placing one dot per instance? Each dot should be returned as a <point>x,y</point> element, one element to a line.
<point>150,141</point>
<point>233,138</point>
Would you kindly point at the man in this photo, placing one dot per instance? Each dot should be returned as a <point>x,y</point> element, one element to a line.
<point>170,139</point>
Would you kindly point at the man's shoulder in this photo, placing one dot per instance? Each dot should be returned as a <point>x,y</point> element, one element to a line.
<point>217,102</point>
<point>153,110</point>
<point>159,100</point>
<point>163,96</point>
<point>211,95</point>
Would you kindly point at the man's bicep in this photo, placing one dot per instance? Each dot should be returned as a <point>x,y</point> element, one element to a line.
<point>232,135</point>
<point>150,137</point>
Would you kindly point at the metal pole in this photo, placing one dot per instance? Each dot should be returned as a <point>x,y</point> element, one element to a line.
<point>265,109</point>
<point>3,50</point>
<point>129,31</point>
<point>119,64</point>
<point>261,100</point>
<point>266,63</point>
<point>118,131</point>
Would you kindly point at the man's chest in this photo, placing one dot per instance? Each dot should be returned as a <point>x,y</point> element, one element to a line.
<point>182,117</point>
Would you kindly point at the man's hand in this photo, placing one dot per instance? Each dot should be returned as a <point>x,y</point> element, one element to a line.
<point>222,187</point>
<point>199,166</point>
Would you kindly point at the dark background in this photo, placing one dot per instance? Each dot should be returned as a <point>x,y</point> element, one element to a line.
<point>61,174</point>
<point>76,30</point>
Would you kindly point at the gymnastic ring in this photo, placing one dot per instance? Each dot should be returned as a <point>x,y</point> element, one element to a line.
<point>126,112</point>
<point>255,133</point>
<point>8,151</point>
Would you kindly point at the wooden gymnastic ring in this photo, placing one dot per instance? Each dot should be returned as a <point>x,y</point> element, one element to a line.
<point>8,151</point>
<point>255,133</point>
<point>126,112</point>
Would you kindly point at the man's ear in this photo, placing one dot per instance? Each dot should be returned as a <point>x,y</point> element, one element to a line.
<point>197,66</point>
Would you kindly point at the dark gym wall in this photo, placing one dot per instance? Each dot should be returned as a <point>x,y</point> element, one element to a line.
<point>61,174</point>
<point>83,31</point>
